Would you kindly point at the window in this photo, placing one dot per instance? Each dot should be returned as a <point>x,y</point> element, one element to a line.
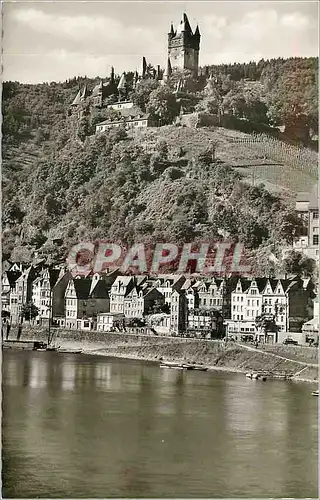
<point>249,302</point>
<point>315,239</point>
<point>316,215</point>
<point>316,229</point>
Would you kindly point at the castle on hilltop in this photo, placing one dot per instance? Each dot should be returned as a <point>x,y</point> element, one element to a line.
<point>183,54</point>
<point>183,47</point>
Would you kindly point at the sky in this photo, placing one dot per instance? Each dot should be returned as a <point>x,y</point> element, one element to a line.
<point>54,41</point>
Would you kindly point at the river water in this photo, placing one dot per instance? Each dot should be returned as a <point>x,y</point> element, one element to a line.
<point>79,426</point>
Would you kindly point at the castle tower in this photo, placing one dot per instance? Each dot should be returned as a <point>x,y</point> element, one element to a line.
<point>112,75</point>
<point>123,87</point>
<point>143,69</point>
<point>183,47</point>
<point>135,79</point>
<point>168,71</point>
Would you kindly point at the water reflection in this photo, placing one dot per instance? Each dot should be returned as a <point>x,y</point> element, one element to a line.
<point>76,426</point>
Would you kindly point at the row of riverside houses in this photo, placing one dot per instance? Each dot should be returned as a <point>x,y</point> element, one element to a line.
<point>164,304</point>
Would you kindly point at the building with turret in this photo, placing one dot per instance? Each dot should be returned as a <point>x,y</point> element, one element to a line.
<point>116,92</point>
<point>183,47</point>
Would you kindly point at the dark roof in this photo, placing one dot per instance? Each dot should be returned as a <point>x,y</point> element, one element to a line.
<point>100,291</point>
<point>53,276</point>
<point>261,283</point>
<point>82,287</point>
<point>13,276</point>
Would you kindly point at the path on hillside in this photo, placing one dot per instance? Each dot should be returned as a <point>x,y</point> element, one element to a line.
<point>254,349</point>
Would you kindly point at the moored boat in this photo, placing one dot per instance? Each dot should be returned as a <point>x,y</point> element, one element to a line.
<point>256,376</point>
<point>200,367</point>
<point>176,367</point>
<point>315,393</point>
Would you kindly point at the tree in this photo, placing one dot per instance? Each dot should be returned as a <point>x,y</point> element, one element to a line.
<point>29,311</point>
<point>142,92</point>
<point>267,323</point>
<point>293,99</point>
<point>299,264</point>
<point>162,105</point>
<point>158,308</point>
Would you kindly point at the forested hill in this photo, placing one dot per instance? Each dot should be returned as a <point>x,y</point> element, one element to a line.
<point>57,185</point>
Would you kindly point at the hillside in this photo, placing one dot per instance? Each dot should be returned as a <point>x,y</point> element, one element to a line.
<point>251,161</point>
<point>159,184</point>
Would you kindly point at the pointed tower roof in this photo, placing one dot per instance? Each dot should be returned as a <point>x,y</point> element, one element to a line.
<point>171,32</point>
<point>168,70</point>
<point>123,82</point>
<point>135,79</point>
<point>197,32</point>
<point>143,67</point>
<point>97,89</point>
<point>112,75</point>
<point>84,92</point>
<point>184,25</point>
<point>77,99</point>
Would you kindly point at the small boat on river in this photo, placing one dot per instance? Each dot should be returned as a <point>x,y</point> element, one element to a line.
<point>200,367</point>
<point>256,376</point>
<point>315,393</point>
<point>181,366</point>
<point>170,364</point>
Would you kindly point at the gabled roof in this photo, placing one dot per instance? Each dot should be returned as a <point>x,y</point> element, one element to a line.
<point>123,82</point>
<point>77,99</point>
<point>262,283</point>
<point>13,276</point>
<point>152,291</point>
<point>54,275</point>
<point>85,92</point>
<point>82,288</point>
<point>123,280</point>
<point>245,284</point>
<point>100,290</point>
<point>126,281</point>
<point>97,90</point>
<point>140,280</point>
<point>188,284</point>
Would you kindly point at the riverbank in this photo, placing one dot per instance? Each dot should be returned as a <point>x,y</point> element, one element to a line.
<point>300,363</point>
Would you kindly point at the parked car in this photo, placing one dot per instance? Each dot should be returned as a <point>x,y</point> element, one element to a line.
<point>290,341</point>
